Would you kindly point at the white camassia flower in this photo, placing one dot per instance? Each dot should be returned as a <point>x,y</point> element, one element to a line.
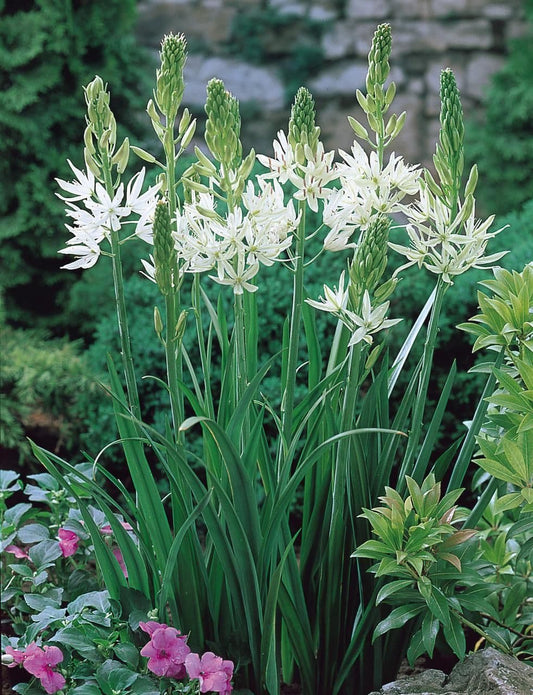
<point>334,300</point>
<point>283,163</point>
<point>84,247</point>
<point>310,179</point>
<point>370,321</point>
<point>363,325</point>
<point>366,190</point>
<point>235,245</point>
<point>445,246</point>
<point>102,214</point>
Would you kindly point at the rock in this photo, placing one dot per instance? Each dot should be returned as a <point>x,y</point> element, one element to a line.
<point>478,73</point>
<point>340,80</point>
<point>362,9</point>
<point>249,83</point>
<point>487,672</point>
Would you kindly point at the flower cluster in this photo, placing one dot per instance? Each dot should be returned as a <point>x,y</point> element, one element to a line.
<point>309,173</point>
<point>170,656</point>
<point>234,245</point>
<point>445,243</point>
<point>362,324</point>
<point>366,190</point>
<point>40,662</point>
<point>100,214</point>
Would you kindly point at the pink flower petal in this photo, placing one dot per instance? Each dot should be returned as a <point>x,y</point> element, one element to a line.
<point>17,552</point>
<point>120,559</point>
<point>68,542</point>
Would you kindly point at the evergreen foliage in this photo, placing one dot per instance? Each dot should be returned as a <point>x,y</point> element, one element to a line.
<point>48,50</point>
<point>502,145</point>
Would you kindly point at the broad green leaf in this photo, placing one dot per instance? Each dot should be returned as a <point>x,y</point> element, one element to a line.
<point>430,630</point>
<point>396,619</point>
<point>391,588</point>
<point>438,605</point>
<point>455,636</point>
<point>416,647</point>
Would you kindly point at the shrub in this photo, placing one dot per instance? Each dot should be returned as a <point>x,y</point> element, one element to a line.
<point>42,82</point>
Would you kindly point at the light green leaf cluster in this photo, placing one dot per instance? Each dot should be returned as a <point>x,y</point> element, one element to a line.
<point>506,443</point>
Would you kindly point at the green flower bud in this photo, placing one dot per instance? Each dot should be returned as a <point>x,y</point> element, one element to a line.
<point>170,83</point>
<point>158,322</point>
<point>378,58</point>
<point>181,324</point>
<point>223,126</point>
<point>302,128</point>
<point>164,251</point>
<point>449,155</point>
<point>122,156</point>
<point>357,128</point>
<point>370,259</point>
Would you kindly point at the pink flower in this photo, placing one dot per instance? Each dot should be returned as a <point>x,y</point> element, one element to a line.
<point>150,626</point>
<point>107,530</point>
<point>17,552</point>
<point>40,663</point>
<point>120,559</point>
<point>19,656</point>
<point>212,671</point>
<point>166,650</point>
<point>68,542</point>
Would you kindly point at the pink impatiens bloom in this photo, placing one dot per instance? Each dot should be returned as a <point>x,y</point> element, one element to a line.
<point>107,530</point>
<point>120,559</point>
<point>19,553</point>
<point>213,672</point>
<point>40,663</point>
<point>166,650</point>
<point>19,655</point>
<point>68,542</point>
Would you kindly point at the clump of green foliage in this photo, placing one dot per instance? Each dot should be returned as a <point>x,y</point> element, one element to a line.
<point>503,144</point>
<point>46,386</point>
<point>48,50</point>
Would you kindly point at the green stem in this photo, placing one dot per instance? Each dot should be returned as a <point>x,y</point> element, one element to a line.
<point>240,349</point>
<point>122,316</point>
<point>294,334</point>
<point>173,360</point>
<point>423,383</point>
<point>172,301</point>
<point>499,645</point>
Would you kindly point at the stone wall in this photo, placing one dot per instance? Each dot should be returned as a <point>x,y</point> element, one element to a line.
<point>263,49</point>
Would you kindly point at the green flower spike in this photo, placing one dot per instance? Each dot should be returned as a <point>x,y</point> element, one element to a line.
<point>302,128</point>
<point>378,59</point>
<point>378,100</point>
<point>370,260</point>
<point>223,126</point>
<point>449,155</point>
<point>170,83</point>
<point>101,132</point>
<point>164,251</point>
